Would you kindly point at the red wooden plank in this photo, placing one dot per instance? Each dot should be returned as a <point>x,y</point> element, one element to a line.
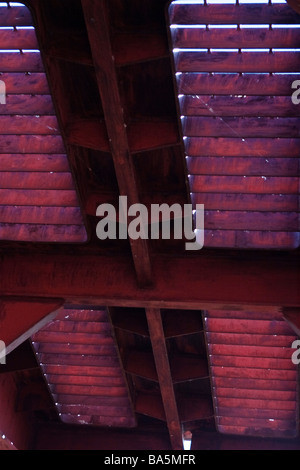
<point>109,421</point>
<point>235,84</point>
<point>15,15</point>
<point>247,202</point>
<point>77,360</point>
<point>237,105</point>
<point>93,315</point>
<point>237,147</point>
<point>91,400</point>
<point>82,409</point>
<point>245,239</point>
<point>264,327</point>
<point>257,62</point>
<point>25,83</point>
<point>29,162</point>
<point>254,385</point>
<point>37,180</point>
<point>43,233</point>
<point>28,105</point>
<point>87,371</point>
<point>266,433</point>
<point>78,338</point>
<point>243,166</point>
<point>259,423</point>
<point>43,197</point>
<point>31,144</point>
<point>251,351</point>
<point>232,37</point>
<point>259,404</point>
<point>18,38</point>
<point>244,184</point>
<point>244,220</point>
<point>252,239</point>
<point>281,395</point>
<point>92,381</point>
<point>235,412</point>
<point>248,339</point>
<point>232,14</point>
<point>261,314</point>
<point>21,62</point>
<point>256,362</point>
<point>40,215</point>
<point>71,326</point>
<point>255,373</point>
<point>87,390</point>
<point>29,124</point>
<point>240,126</point>
<point>70,347</point>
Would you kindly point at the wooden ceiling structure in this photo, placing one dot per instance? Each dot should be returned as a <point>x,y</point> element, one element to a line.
<point>124,344</point>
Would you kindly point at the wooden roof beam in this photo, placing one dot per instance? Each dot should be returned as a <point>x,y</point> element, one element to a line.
<point>164,376</point>
<point>200,281</point>
<point>97,24</point>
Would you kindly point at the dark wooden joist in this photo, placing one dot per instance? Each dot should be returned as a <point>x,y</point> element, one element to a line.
<point>196,281</point>
<point>97,23</point>
<point>163,369</point>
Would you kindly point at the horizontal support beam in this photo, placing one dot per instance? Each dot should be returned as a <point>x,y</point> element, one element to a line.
<point>202,280</point>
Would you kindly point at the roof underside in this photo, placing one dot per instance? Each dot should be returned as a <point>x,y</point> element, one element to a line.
<point>163,103</point>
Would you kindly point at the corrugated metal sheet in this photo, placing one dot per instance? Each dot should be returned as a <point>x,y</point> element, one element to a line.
<point>81,365</point>
<point>254,380</point>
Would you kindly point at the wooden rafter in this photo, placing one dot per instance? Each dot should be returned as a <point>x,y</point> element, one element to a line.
<point>98,31</point>
<point>164,376</point>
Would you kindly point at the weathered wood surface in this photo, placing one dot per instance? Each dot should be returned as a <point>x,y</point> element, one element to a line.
<point>248,398</point>
<point>77,352</point>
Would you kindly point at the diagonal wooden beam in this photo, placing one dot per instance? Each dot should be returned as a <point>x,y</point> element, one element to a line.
<point>163,370</point>
<point>97,24</point>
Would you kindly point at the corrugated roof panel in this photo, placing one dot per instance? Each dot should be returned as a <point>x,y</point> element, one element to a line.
<point>253,377</point>
<point>77,354</point>
<point>235,66</point>
<point>38,198</point>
